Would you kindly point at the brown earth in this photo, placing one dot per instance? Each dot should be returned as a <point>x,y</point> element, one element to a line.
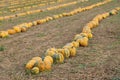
<point>99,61</point>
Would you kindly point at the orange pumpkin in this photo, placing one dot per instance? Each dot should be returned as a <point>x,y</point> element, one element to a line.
<point>30,64</point>
<point>11,31</point>
<point>41,66</point>
<point>49,58</point>
<point>17,29</point>
<point>48,65</point>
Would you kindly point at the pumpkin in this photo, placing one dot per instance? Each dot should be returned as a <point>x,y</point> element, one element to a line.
<point>41,66</point>
<point>34,23</point>
<point>61,51</point>
<point>113,12</point>
<point>107,14</point>
<point>35,70</point>
<point>29,25</point>
<point>58,58</point>
<point>117,8</point>
<point>44,20</point>
<point>90,25</point>
<point>60,15</point>
<point>49,58</point>
<point>17,29</point>
<point>104,16</point>
<point>50,18</point>
<point>83,34</point>
<point>75,44</point>
<point>71,13</point>
<point>37,59</point>
<point>11,31</point>
<point>89,35</point>
<point>94,23</point>
<point>23,29</point>
<point>99,17</point>
<point>51,52</point>
<point>78,36</point>
<point>72,51</point>
<point>86,29</point>
<point>65,52</point>
<point>3,34</point>
<point>56,16</point>
<point>38,22</point>
<point>65,14</point>
<point>30,64</point>
<point>47,64</point>
<point>53,49</point>
<point>84,41</point>
<point>47,19</point>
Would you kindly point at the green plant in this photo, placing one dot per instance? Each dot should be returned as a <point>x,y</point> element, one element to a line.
<point>2,48</point>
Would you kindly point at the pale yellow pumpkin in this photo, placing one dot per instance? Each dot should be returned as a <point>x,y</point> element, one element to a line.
<point>35,70</point>
<point>37,59</point>
<point>86,29</point>
<point>58,58</point>
<point>68,45</point>
<point>34,23</point>
<point>23,29</point>
<point>3,34</point>
<point>65,52</point>
<point>77,36</point>
<point>50,52</point>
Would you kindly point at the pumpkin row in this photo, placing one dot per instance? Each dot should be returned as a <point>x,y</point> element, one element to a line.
<point>15,8</point>
<point>33,6</point>
<point>38,10</point>
<point>13,4</point>
<point>25,26</point>
<point>27,2</point>
<point>53,55</point>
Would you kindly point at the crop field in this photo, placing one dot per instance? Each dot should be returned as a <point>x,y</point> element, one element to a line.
<point>59,39</point>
